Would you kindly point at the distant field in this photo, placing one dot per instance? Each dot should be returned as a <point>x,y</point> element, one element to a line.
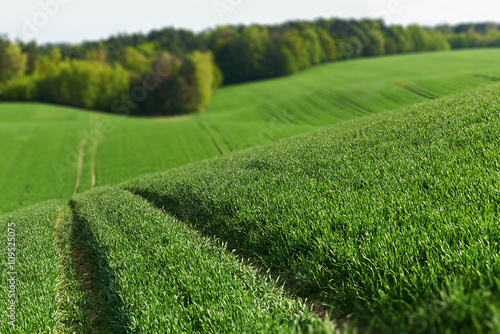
<point>41,144</point>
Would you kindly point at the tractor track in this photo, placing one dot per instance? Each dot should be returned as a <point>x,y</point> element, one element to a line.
<point>94,161</point>
<point>81,158</point>
<point>219,133</point>
<point>207,132</point>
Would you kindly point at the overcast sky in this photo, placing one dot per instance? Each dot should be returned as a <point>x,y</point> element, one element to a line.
<point>78,20</point>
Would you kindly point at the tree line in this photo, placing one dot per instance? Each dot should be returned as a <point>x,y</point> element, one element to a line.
<point>143,80</point>
<point>171,71</point>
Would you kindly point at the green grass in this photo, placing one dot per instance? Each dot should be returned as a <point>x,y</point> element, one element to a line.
<point>113,263</point>
<point>392,218</point>
<point>40,144</point>
<point>33,137</point>
<point>170,279</point>
<point>35,240</point>
<point>389,218</point>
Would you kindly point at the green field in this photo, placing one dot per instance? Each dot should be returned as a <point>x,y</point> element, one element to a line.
<point>41,144</point>
<point>35,245</point>
<point>372,205</point>
<point>187,283</point>
<point>393,217</point>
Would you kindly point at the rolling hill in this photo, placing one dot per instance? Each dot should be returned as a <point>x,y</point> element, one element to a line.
<point>49,152</point>
<point>374,199</point>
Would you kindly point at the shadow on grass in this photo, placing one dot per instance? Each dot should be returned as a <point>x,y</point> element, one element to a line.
<point>103,308</point>
<point>199,214</point>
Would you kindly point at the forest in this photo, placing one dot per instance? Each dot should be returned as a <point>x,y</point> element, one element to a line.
<point>176,71</point>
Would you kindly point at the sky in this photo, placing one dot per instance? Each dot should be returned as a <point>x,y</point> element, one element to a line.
<point>74,21</point>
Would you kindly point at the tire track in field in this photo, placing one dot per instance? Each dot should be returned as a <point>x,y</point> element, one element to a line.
<point>415,90</point>
<point>275,115</point>
<point>487,78</point>
<point>284,120</point>
<point>327,114</point>
<point>335,98</point>
<point>102,309</point>
<point>331,110</point>
<point>67,290</point>
<point>183,214</point>
<point>81,157</point>
<point>219,133</point>
<point>63,275</point>
<point>346,102</point>
<point>207,132</point>
<point>94,161</point>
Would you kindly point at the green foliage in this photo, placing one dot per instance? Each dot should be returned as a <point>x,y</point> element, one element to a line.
<point>464,40</point>
<point>23,89</point>
<point>402,39</point>
<point>186,84</point>
<point>294,50</point>
<point>98,55</point>
<point>437,41</point>
<point>329,49</point>
<point>172,91</point>
<point>251,56</point>
<point>206,77</point>
<point>312,44</point>
<point>492,38</point>
<point>134,60</point>
<point>418,36</point>
<point>376,43</point>
<point>80,83</point>
<point>32,52</point>
<point>92,83</point>
<point>88,84</point>
<point>241,53</point>
<point>12,61</point>
<point>217,76</point>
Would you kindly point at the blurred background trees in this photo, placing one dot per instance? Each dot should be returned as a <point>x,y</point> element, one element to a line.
<point>170,71</point>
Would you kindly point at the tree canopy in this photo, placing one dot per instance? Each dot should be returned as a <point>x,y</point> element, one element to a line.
<point>170,71</point>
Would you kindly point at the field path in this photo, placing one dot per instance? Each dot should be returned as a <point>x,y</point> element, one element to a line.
<point>219,133</point>
<point>94,161</point>
<point>415,90</point>
<point>81,157</point>
<point>207,132</point>
<point>102,309</point>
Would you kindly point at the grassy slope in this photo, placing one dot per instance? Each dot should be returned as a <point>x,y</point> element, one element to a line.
<point>32,138</point>
<point>393,218</point>
<point>40,144</point>
<point>170,279</point>
<point>111,262</point>
<point>41,305</point>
